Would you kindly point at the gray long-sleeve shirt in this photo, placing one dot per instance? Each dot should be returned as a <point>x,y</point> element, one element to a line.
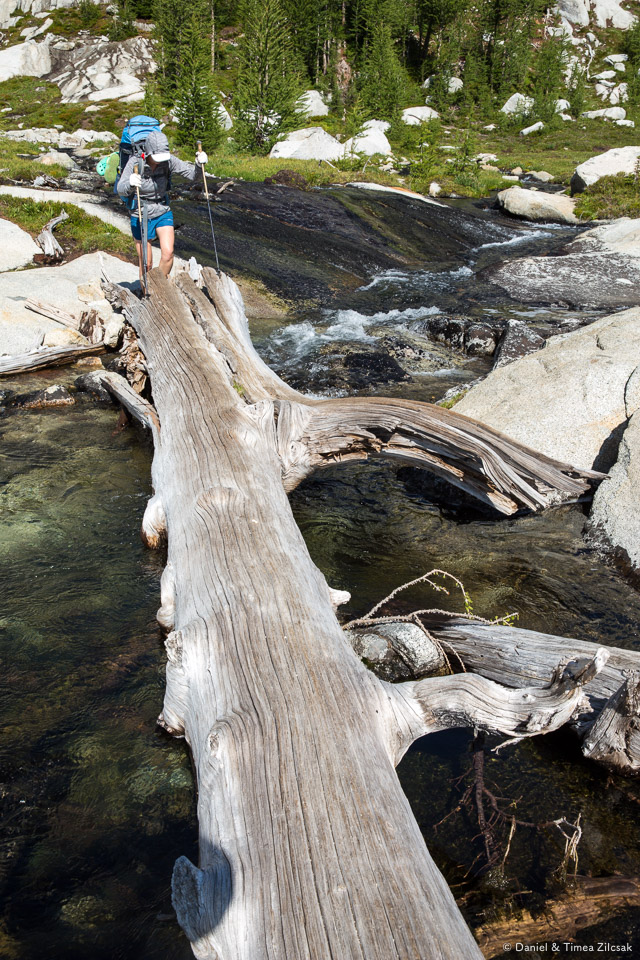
<point>155,183</point>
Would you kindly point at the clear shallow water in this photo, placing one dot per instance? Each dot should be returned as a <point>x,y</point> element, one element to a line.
<point>97,804</point>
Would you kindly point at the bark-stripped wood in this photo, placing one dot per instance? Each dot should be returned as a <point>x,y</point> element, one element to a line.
<point>609,731</point>
<point>139,408</point>
<point>308,847</point>
<point>53,313</point>
<point>47,357</point>
<point>46,240</point>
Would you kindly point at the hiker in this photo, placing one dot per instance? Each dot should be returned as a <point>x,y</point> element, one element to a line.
<point>157,165</point>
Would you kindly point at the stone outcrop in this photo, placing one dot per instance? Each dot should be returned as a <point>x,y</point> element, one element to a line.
<point>569,399</point>
<point>29,59</point>
<point>20,328</point>
<point>534,205</point>
<point>608,164</point>
<point>600,269</point>
<point>7,8</point>
<point>600,13</point>
<point>615,510</point>
<point>311,104</point>
<point>17,248</point>
<point>311,143</point>
<point>102,70</point>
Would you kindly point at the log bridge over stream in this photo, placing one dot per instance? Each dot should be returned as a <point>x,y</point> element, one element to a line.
<point>308,846</point>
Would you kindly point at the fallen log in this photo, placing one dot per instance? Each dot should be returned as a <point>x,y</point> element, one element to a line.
<point>587,901</point>
<point>47,357</point>
<point>308,846</point>
<point>609,729</point>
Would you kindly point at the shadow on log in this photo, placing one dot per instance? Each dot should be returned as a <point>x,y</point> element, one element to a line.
<point>308,847</point>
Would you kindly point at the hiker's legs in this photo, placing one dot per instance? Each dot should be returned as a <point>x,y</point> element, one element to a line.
<point>140,261</point>
<point>166,237</point>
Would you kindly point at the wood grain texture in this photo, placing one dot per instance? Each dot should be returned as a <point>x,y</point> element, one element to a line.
<point>609,727</point>
<point>47,357</point>
<point>308,847</point>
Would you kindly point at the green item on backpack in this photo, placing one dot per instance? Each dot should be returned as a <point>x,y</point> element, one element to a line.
<point>101,166</point>
<point>111,169</point>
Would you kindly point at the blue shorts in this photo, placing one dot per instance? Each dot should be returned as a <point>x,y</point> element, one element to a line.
<point>164,220</point>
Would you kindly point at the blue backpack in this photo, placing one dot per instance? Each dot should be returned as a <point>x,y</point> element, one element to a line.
<point>134,136</point>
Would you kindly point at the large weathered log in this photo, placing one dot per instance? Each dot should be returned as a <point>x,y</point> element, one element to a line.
<point>308,847</point>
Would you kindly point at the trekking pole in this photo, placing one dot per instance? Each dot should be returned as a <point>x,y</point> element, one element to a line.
<point>206,193</point>
<point>143,234</point>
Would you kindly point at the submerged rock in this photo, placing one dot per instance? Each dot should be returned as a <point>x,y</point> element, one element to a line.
<point>344,367</point>
<point>460,333</point>
<point>398,651</point>
<point>53,396</point>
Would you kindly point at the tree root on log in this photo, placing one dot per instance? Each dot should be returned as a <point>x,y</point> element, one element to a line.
<point>308,846</point>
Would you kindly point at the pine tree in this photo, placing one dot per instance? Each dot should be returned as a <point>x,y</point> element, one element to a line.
<point>548,76</point>
<point>268,79</point>
<point>196,106</point>
<point>382,82</point>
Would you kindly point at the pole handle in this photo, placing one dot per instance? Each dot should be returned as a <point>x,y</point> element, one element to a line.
<point>204,175</point>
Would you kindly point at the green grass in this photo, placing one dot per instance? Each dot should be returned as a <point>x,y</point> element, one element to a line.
<point>610,198</point>
<point>70,21</point>
<point>15,167</point>
<point>81,233</point>
<point>36,103</point>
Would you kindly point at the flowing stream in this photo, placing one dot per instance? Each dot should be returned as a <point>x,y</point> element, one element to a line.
<point>97,802</point>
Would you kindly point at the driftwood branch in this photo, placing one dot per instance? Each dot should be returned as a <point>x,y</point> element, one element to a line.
<point>316,433</point>
<point>45,239</point>
<point>308,847</point>
<point>137,406</point>
<point>466,700</point>
<point>53,313</point>
<point>609,727</point>
<point>47,357</point>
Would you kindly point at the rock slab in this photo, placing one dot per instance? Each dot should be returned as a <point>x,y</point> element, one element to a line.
<point>569,399</point>
<point>608,164</point>
<point>17,247</point>
<point>615,511</point>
